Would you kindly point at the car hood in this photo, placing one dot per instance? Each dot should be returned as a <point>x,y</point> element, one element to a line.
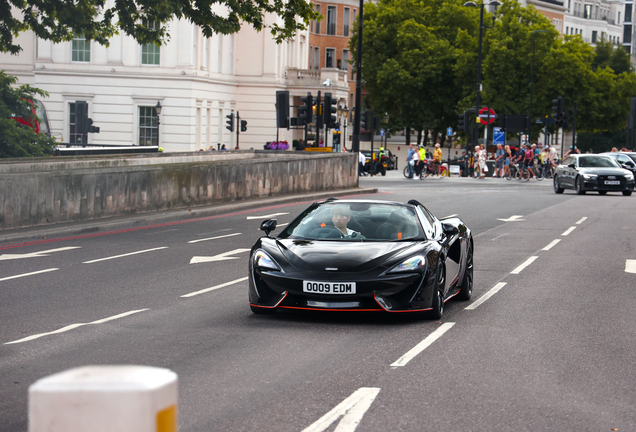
<point>345,256</point>
<point>603,171</point>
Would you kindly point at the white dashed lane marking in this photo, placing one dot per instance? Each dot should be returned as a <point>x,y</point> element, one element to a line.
<point>568,231</point>
<point>203,291</point>
<point>266,216</point>
<point>214,238</point>
<point>220,257</point>
<point>580,221</point>
<point>402,361</point>
<point>494,290</point>
<point>74,326</point>
<point>351,410</point>
<point>551,245</point>
<point>524,265</point>
<point>28,274</point>
<point>45,253</point>
<point>124,255</point>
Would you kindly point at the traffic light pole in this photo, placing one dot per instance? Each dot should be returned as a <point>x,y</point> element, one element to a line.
<point>238,128</point>
<point>355,147</point>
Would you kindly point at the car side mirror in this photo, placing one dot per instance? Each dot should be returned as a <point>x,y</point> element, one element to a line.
<point>629,164</point>
<point>572,166</point>
<point>449,229</point>
<point>268,226</point>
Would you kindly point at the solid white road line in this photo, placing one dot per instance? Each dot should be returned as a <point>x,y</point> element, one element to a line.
<point>124,255</point>
<point>524,265</point>
<point>28,274</point>
<point>220,257</point>
<point>266,216</point>
<point>74,326</point>
<point>630,266</point>
<point>351,410</point>
<point>192,294</point>
<point>45,253</point>
<point>568,231</point>
<point>402,361</point>
<point>514,218</point>
<point>214,238</point>
<point>486,296</point>
<point>580,221</point>
<point>552,244</point>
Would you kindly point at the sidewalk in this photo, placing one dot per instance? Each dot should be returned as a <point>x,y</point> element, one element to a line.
<point>68,229</point>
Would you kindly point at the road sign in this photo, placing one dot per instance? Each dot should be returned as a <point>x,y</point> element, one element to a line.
<point>487,115</point>
<point>449,131</point>
<point>498,136</point>
<point>381,132</point>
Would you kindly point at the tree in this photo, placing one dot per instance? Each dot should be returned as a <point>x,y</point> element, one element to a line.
<point>16,139</point>
<point>144,20</point>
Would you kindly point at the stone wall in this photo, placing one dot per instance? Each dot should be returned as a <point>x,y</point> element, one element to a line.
<point>50,190</point>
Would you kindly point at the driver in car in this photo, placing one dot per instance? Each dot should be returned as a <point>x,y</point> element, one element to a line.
<point>340,216</point>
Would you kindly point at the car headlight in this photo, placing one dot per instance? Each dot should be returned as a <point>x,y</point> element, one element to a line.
<point>589,176</point>
<point>629,176</point>
<point>263,260</point>
<point>415,263</point>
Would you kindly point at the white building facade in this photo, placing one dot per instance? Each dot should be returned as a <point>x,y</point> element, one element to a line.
<point>197,81</point>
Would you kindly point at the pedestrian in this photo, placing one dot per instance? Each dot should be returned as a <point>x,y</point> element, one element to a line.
<point>476,167</point>
<point>499,161</point>
<point>410,162</point>
<point>422,165</point>
<point>417,167</point>
<point>482,161</point>
<point>223,147</point>
<point>507,159</point>
<point>301,145</point>
<point>462,164</point>
<point>361,161</point>
<point>437,159</point>
<point>614,150</point>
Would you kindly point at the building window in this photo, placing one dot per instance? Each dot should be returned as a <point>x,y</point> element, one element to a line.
<point>317,26</point>
<point>594,36</point>
<point>150,54</point>
<point>331,20</point>
<point>81,49</point>
<point>148,126</point>
<point>567,29</point>
<point>74,137</point>
<point>346,21</point>
<point>330,55</point>
<point>587,12</point>
<point>316,57</point>
<point>345,60</point>
<point>628,13</point>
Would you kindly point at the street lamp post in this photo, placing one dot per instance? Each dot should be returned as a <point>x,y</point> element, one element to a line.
<point>481,35</point>
<point>355,145</point>
<point>158,112</point>
<point>534,38</point>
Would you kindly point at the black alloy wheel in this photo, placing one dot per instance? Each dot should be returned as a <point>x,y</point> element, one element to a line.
<point>580,186</point>
<point>557,187</point>
<point>627,193</point>
<point>466,287</point>
<point>438,295</point>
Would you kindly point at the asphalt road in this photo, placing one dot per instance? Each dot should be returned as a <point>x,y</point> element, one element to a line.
<point>546,343</point>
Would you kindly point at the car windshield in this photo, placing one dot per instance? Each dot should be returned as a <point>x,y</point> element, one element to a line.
<point>355,221</point>
<point>597,162</point>
<point>632,156</point>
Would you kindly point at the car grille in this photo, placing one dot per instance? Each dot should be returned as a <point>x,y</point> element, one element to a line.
<point>603,178</point>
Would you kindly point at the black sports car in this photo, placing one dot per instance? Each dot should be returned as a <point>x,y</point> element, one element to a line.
<point>591,172</point>
<point>351,255</point>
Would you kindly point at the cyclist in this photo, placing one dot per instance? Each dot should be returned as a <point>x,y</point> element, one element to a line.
<point>529,160</point>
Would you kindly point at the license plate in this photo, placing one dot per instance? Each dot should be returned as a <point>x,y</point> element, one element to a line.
<point>612,182</point>
<point>329,287</point>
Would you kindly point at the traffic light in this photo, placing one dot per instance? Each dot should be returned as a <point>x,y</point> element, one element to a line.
<point>364,120</point>
<point>81,114</point>
<point>282,109</point>
<point>376,123</point>
<point>462,122</point>
<point>558,108</point>
<point>319,113</point>
<point>89,126</point>
<point>329,109</point>
<point>304,112</point>
<point>230,122</point>
<point>243,125</point>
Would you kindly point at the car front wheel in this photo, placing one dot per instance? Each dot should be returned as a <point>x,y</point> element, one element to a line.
<point>557,187</point>
<point>627,193</point>
<point>466,288</point>
<point>580,186</point>
<point>438,295</point>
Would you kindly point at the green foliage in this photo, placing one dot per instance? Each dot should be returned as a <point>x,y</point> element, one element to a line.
<point>18,140</point>
<point>60,20</point>
<point>420,63</point>
<point>597,142</point>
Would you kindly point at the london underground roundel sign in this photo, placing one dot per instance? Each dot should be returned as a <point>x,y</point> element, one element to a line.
<point>485,118</point>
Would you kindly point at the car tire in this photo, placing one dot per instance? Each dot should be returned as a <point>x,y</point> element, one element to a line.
<point>579,185</point>
<point>627,193</point>
<point>262,311</point>
<point>602,192</point>
<point>466,287</point>
<point>557,187</point>
<point>438,294</point>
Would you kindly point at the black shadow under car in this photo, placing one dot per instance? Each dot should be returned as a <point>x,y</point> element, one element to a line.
<point>350,255</point>
<point>590,172</point>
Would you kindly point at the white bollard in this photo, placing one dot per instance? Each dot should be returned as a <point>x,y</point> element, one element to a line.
<point>105,398</point>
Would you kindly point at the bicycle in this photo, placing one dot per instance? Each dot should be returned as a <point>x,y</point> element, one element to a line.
<point>517,173</point>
